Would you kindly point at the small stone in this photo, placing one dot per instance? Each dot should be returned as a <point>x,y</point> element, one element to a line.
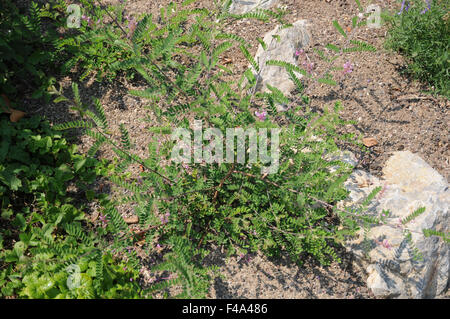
<point>369,141</point>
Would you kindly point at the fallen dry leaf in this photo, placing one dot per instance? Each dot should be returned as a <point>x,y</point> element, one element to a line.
<point>370,141</point>
<point>226,61</point>
<point>131,220</point>
<point>16,115</point>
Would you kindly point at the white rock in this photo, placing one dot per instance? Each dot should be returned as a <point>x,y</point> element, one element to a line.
<point>409,183</point>
<point>281,49</point>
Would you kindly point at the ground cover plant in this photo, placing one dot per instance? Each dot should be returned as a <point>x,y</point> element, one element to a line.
<point>421,32</point>
<point>26,51</point>
<point>40,219</point>
<point>51,248</point>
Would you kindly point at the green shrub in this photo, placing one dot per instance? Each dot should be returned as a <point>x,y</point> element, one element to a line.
<point>96,44</point>
<point>183,209</point>
<point>423,36</point>
<point>41,220</point>
<point>27,54</point>
<point>232,205</point>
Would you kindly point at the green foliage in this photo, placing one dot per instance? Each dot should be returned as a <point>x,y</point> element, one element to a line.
<point>284,211</point>
<point>41,230</point>
<point>413,215</point>
<point>27,54</point>
<point>49,249</point>
<point>431,232</point>
<point>186,208</point>
<point>424,39</point>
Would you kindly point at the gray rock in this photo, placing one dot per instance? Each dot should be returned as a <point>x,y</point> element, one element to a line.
<point>281,49</point>
<point>394,270</point>
<point>244,6</point>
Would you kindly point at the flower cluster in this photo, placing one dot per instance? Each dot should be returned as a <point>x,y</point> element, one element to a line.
<point>261,115</point>
<point>309,66</point>
<point>405,6</point>
<point>245,258</point>
<point>132,24</point>
<point>165,218</point>
<point>384,243</point>
<point>348,67</point>
<point>427,8</point>
<point>88,20</point>
<point>104,220</point>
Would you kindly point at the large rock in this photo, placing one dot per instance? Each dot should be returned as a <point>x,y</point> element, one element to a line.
<point>395,269</point>
<point>244,6</point>
<point>281,48</point>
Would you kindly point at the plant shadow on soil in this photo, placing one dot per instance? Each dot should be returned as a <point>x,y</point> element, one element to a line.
<point>259,277</point>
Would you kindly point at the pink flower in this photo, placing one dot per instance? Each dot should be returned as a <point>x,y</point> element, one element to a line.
<point>299,52</point>
<point>384,243</point>
<point>104,220</point>
<point>165,218</point>
<point>262,116</point>
<point>348,68</point>
<point>88,20</point>
<point>132,24</point>
<point>308,66</point>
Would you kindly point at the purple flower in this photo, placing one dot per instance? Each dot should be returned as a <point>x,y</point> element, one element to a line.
<point>262,116</point>
<point>88,20</point>
<point>131,279</point>
<point>165,218</point>
<point>403,6</point>
<point>348,68</point>
<point>428,7</point>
